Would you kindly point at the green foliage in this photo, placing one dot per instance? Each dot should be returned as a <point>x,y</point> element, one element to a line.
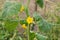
<point>42,24</point>
<point>10,25</point>
<point>0,13</point>
<point>37,17</point>
<point>58,9</point>
<point>32,35</point>
<point>40,3</point>
<point>11,9</point>
<point>23,22</point>
<point>58,19</point>
<point>26,11</point>
<point>3,33</point>
<point>40,37</point>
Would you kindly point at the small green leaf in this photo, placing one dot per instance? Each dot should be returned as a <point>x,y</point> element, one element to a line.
<point>26,11</point>
<point>23,22</point>
<point>32,35</point>
<point>40,3</point>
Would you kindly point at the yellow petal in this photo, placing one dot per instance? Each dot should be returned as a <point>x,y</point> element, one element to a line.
<point>24,26</point>
<point>29,20</point>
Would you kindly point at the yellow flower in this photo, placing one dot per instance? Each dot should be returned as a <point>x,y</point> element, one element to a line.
<point>29,20</point>
<point>22,9</point>
<point>24,26</point>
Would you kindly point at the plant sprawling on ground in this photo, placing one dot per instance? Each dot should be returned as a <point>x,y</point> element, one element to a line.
<point>10,21</point>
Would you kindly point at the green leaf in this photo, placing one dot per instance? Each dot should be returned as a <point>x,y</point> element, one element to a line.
<point>11,9</point>
<point>37,17</point>
<point>10,25</point>
<point>40,37</point>
<point>42,24</point>
<point>23,22</point>
<point>26,11</point>
<point>32,35</point>
<point>40,3</point>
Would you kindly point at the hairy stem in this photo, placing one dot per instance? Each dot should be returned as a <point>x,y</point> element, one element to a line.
<point>28,31</point>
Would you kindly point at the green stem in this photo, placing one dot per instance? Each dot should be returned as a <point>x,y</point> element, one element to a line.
<point>28,31</point>
<point>13,36</point>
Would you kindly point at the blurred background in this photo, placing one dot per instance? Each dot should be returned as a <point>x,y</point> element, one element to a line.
<point>50,12</point>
